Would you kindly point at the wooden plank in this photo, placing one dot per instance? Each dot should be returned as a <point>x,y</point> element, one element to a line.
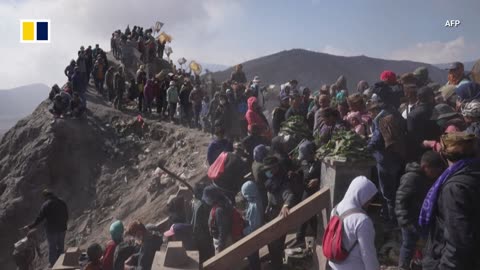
<point>270,231</point>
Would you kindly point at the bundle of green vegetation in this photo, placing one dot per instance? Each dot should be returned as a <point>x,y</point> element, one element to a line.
<point>295,130</point>
<point>345,145</point>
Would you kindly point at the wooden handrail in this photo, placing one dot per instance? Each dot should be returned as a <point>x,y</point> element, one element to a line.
<point>231,256</point>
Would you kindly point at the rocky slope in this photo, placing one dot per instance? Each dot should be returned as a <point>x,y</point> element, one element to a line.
<point>102,165</point>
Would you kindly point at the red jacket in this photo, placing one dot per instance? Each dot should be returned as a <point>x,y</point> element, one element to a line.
<point>107,260</point>
<point>255,118</point>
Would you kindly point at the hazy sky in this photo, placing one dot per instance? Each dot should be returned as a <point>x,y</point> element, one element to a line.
<point>228,32</point>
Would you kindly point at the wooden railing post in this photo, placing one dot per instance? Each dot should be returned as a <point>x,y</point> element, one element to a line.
<point>231,256</point>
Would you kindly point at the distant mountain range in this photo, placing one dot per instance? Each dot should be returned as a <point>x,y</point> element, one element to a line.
<point>313,69</point>
<point>213,67</point>
<point>19,102</point>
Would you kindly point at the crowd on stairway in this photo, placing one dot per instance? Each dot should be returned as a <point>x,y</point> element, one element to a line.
<point>423,136</point>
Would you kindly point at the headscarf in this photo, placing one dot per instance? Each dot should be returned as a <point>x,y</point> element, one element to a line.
<point>468,91</point>
<point>362,86</point>
<point>116,231</point>
<point>452,143</point>
<point>472,109</point>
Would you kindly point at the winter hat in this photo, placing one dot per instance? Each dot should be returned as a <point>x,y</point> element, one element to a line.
<point>442,111</point>
<point>388,76</point>
<point>306,150</point>
<point>116,231</point>
<point>421,74</point>
<point>260,152</point>
<point>408,78</point>
<point>472,109</point>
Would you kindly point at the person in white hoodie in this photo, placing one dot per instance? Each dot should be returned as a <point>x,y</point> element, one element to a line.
<point>358,231</point>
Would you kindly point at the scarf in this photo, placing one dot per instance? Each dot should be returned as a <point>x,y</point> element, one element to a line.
<point>427,213</point>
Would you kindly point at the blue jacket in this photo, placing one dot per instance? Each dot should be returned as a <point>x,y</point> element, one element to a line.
<point>255,211</point>
<point>216,147</point>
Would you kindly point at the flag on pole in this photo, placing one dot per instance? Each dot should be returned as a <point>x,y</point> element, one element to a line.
<point>158,27</point>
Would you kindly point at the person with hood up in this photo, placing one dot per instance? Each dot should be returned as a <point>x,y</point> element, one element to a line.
<point>220,225</point>
<point>362,86</point>
<point>414,185</point>
<point>116,232</point>
<point>94,254</point>
<point>218,145</point>
<point>253,217</point>
<point>254,115</point>
<point>358,234</point>
<point>172,100</point>
<point>471,114</point>
<point>451,209</point>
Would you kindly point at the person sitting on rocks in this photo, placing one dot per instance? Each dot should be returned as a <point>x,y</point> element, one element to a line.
<point>24,251</point>
<point>150,244</point>
<point>76,106</point>
<point>60,105</point>
<point>116,232</point>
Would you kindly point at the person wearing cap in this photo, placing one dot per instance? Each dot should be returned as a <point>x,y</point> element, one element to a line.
<point>278,114</point>
<point>389,150</point>
<point>54,212</point>
<point>450,211</point>
<point>238,75</point>
<point>389,77</point>
<point>172,100</point>
<point>255,116</point>
<point>456,74</point>
<point>448,120</point>
<point>420,127</point>
<point>181,232</point>
<point>149,242</point>
<point>471,114</point>
<point>116,233</point>
<point>280,200</point>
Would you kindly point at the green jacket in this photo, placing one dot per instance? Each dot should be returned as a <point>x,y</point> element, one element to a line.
<point>172,94</point>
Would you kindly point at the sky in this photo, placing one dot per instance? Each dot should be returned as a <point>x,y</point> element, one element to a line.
<point>228,32</point>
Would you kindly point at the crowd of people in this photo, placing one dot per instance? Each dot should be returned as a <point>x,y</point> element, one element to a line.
<point>424,138</point>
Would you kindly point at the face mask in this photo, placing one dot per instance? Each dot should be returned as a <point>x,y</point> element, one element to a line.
<point>269,174</point>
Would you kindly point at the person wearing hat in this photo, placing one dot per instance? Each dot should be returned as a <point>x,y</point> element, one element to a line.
<point>280,200</point>
<point>172,100</point>
<point>278,114</point>
<point>181,232</point>
<point>420,127</point>
<point>238,75</point>
<point>149,242</point>
<point>253,139</point>
<point>448,120</point>
<point>467,92</point>
<point>54,212</point>
<point>421,75</point>
<point>456,74</point>
<point>116,233</point>
<point>448,95</point>
<point>450,211</point>
<point>471,114</point>
<point>389,77</point>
